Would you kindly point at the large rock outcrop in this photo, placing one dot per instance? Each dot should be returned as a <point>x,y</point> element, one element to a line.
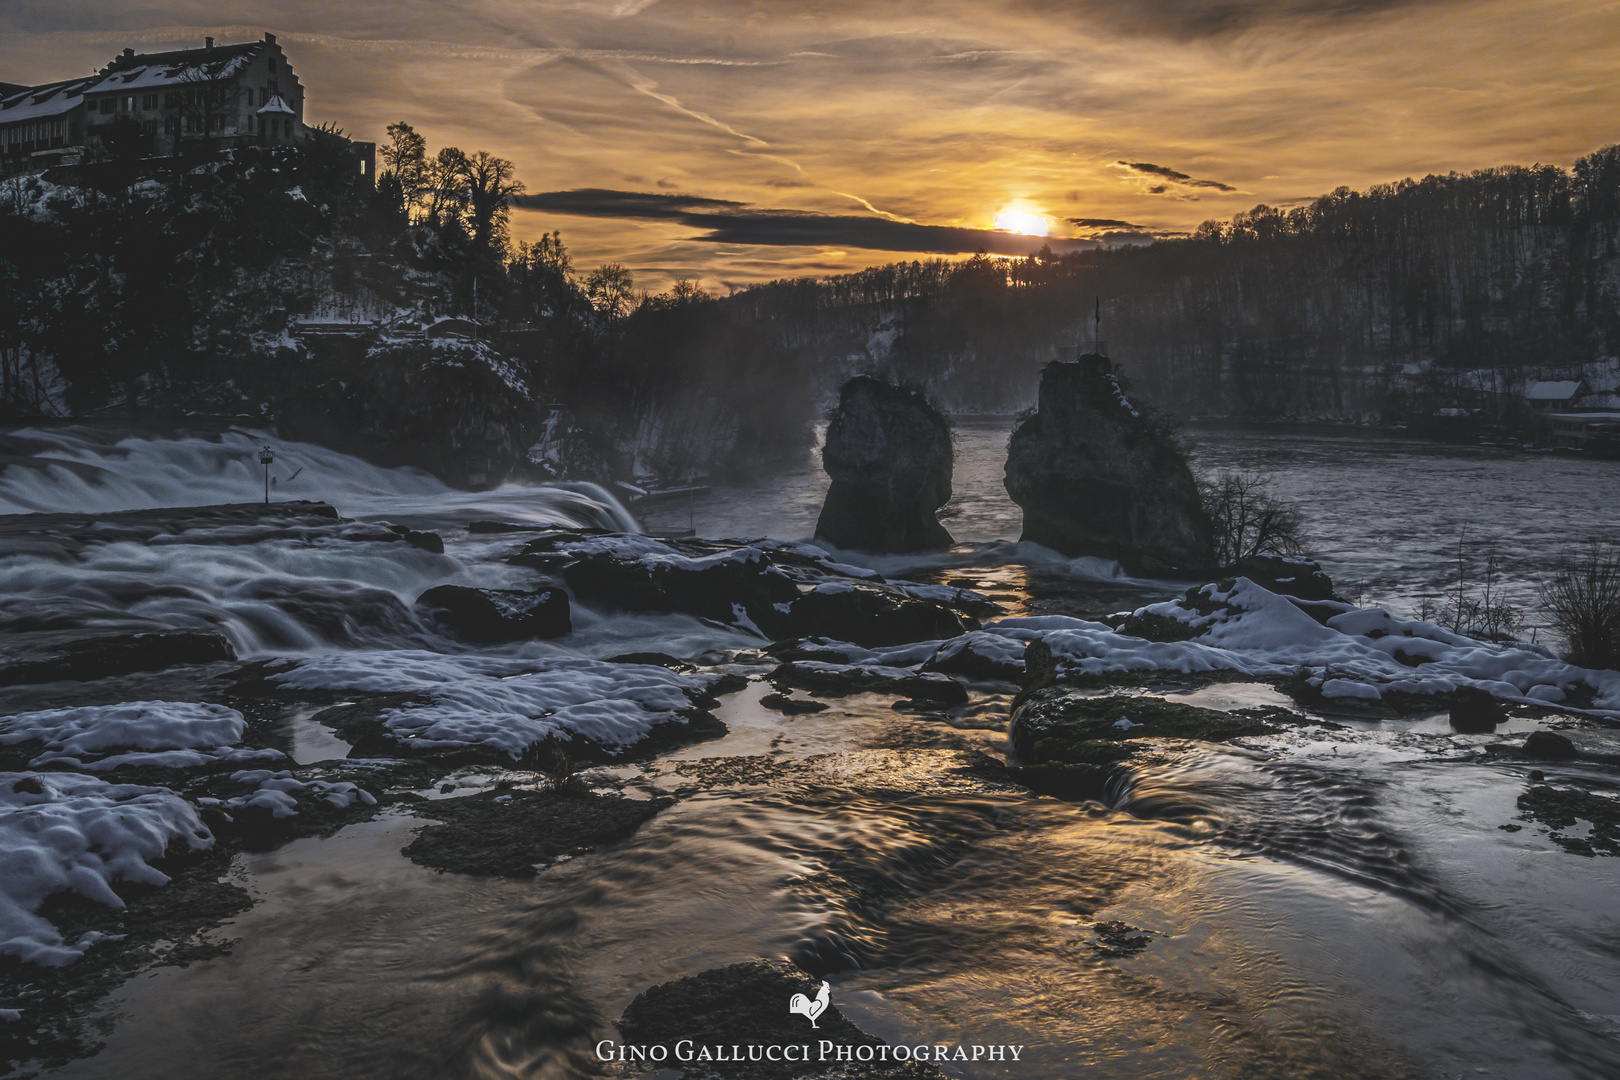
<point>889,455</point>
<point>1094,478</point>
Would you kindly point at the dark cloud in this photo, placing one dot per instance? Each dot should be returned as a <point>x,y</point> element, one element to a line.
<point>1190,19</point>
<point>1171,174</point>
<point>721,221</point>
<point>602,202</point>
<point>1103,223</point>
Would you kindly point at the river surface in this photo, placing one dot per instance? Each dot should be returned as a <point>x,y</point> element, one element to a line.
<point>1342,903</point>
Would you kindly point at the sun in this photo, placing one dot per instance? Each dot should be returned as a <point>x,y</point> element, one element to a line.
<point>1019,221</point>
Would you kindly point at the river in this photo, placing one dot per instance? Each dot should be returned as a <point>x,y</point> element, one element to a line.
<point>1336,904</point>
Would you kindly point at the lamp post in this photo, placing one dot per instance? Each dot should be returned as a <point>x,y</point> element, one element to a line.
<point>266,457</point>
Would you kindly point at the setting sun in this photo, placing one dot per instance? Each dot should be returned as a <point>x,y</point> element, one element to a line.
<point>1019,221</point>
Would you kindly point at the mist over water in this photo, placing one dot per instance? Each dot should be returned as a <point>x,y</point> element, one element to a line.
<point>1340,903</point>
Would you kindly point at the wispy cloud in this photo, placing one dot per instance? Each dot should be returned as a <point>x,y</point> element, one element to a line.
<point>1173,176</point>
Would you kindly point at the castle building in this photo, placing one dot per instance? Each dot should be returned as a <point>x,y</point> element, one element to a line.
<point>146,105</point>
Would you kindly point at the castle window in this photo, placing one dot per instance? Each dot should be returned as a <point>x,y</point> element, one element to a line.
<point>149,102</point>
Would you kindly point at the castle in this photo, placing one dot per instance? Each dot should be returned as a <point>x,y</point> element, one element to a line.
<point>157,105</point>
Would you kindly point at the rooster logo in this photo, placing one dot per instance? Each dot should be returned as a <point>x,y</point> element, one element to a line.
<point>808,1008</point>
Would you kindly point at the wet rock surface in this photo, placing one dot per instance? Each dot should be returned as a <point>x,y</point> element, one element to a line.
<point>1057,725</point>
<point>779,589</point>
<point>889,454</point>
<point>1095,478</point>
<point>512,833</point>
<point>118,654</point>
<point>747,1005</point>
<point>488,615</point>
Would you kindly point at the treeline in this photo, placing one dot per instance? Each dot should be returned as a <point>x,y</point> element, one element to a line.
<point>280,284</point>
<point>1423,294</point>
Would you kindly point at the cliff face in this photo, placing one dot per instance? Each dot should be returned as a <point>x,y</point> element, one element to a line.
<point>888,453</point>
<point>1094,478</point>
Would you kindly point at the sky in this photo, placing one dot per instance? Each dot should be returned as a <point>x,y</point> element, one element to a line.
<point>735,141</point>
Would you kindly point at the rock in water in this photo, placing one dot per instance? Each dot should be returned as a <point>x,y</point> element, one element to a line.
<point>1094,478</point>
<point>889,455</point>
<point>489,615</point>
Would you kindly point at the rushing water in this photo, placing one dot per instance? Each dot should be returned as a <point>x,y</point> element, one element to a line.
<point>1338,904</point>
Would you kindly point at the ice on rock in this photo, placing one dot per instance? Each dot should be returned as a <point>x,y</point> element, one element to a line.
<point>274,792</point>
<point>1368,651</point>
<point>69,833</point>
<point>506,704</point>
<point>173,734</point>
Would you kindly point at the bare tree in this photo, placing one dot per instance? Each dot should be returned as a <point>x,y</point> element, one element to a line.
<point>490,183</point>
<point>446,186</point>
<point>610,289</point>
<point>405,154</point>
<point>1249,519</point>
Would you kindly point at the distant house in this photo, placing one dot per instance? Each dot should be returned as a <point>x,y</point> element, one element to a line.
<point>1544,396</point>
<point>1583,428</point>
<point>159,105</point>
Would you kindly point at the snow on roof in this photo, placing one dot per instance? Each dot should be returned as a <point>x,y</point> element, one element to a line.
<point>44,102</point>
<point>1552,391</point>
<point>276,106</point>
<point>200,66</point>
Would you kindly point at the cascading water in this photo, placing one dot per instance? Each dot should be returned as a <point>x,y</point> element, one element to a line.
<point>1337,903</point>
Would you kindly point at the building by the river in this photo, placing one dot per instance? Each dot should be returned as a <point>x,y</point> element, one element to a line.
<point>156,105</point>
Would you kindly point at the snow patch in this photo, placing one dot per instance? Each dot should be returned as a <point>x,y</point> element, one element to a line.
<point>507,704</point>
<point>79,834</point>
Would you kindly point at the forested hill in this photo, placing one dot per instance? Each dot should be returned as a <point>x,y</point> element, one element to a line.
<point>402,323</point>
<point>1423,294</point>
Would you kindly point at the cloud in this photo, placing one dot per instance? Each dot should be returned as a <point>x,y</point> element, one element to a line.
<point>1171,174</point>
<point>1184,20</point>
<point>1103,223</point>
<point>723,221</point>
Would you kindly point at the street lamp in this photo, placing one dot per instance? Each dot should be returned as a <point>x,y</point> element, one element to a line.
<point>267,457</point>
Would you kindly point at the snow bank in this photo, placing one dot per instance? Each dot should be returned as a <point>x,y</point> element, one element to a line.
<point>78,834</point>
<point>1361,653</point>
<point>506,704</point>
<point>173,734</point>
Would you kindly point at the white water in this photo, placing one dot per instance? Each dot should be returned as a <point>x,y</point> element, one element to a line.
<point>284,596</point>
<point>79,469</point>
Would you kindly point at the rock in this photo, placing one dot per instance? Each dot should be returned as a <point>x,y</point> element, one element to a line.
<point>714,587</point>
<point>425,541</point>
<point>1057,725</point>
<point>888,453</point>
<point>873,616</point>
<point>1094,478</point>
<point>508,834</point>
<point>1287,576</point>
<point>841,680</point>
<point>746,1005</point>
<point>490,615</point>
<point>1475,712</point>
<point>780,590</point>
<point>790,706</point>
<point>122,654</point>
<point>1551,745</point>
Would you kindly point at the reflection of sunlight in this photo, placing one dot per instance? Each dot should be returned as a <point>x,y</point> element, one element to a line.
<point>1020,222</point>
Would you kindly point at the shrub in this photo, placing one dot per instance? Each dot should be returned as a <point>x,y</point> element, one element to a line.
<point>1249,519</point>
<point>1583,602</point>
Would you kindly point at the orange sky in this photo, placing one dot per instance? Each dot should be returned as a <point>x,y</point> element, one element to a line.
<point>852,119</point>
